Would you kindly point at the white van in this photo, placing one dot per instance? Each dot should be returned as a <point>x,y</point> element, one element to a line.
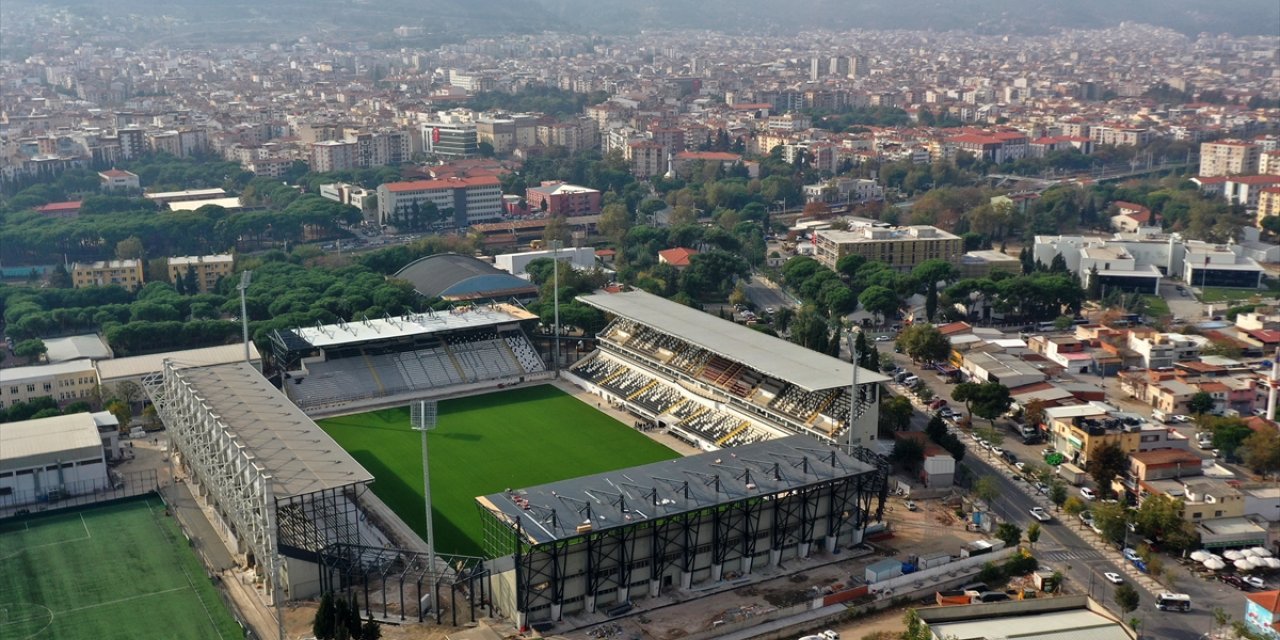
<point>1159,415</point>
<point>910,381</point>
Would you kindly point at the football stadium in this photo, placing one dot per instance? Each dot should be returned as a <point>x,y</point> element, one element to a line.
<point>543,505</point>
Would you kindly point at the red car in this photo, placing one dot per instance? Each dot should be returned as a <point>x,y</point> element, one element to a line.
<point>938,404</point>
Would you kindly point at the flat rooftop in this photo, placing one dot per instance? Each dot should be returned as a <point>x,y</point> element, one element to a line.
<point>138,366</point>
<point>44,436</point>
<point>1055,625</point>
<point>554,511</point>
<point>357,331</point>
<point>292,449</point>
<point>771,356</point>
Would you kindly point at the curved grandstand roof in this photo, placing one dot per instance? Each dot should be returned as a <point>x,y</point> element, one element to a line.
<point>453,276</point>
<point>771,356</point>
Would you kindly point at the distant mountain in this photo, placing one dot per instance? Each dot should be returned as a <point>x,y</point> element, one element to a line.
<point>461,18</point>
<point>1240,17</point>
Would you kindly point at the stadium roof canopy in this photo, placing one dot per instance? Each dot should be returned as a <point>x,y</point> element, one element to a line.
<point>771,356</point>
<point>375,329</point>
<point>299,457</point>
<point>454,276</point>
<point>555,511</point>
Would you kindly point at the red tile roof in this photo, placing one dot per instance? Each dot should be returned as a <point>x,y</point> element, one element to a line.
<point>1255,179</point>
<point>59,207</point>
<point>1269,600</point>
<point>678,256</point>
<point>722,156</point>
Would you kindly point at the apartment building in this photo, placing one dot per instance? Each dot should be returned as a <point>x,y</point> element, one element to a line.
<point>645,159</point>
<point>1159,350</point>
<point>1120,136</point>
<point>208,269</point>
<point>901,248</point>
<point>1079,430</point>
<point>1268,203</point>
<point>103,273</point>
<point>451,138</point>
<point>1228,158</point>
<point>466,200</point>
<point>65,382</point>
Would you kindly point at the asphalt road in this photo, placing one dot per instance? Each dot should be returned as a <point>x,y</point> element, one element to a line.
<point>765,294</point>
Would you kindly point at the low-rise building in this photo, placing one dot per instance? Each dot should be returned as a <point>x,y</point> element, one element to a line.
<point>1218,265</point>
<point>563,199</point>
<point>208,269</point>
<point>104,273</point>
<point>1078,431</point>
<point>65,382</point>
<point>463,201</point>
<point>902,248</point>
<point>50,458</point>
<point>119,180</point>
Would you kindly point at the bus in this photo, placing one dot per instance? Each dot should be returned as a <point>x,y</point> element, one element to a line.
<point>1173,602</point>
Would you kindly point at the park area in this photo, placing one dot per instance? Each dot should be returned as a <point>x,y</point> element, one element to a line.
<point>116,571</point>
<point>485,444</point>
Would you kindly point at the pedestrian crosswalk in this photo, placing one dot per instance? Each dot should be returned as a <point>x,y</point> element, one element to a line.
<point>1061,555</point>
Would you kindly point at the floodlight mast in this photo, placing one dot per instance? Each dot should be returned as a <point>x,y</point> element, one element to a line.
<point>423,416</point>
<point>246,277</point>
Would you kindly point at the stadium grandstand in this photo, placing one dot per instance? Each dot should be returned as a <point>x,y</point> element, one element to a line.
<point>457,278</point>
<point>604,540</point>
<point>335,366</point>
<point>280,487</point>
<point>717,384</point>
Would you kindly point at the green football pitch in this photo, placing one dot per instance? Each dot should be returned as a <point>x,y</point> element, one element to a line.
<point>115,571</point>
<point>485,444</point>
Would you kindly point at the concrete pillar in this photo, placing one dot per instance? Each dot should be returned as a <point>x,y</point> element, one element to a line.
<point>589,602</point>
<point>775,557</point>
<point>746,565</point>
<point>624,594</point>
<point>803,549</point>
<point>655,587</point>
<point>556,607</point>
<point>829,544</point>
<point>686,579</point>
<point>522,621</point>
<point>717,570</point>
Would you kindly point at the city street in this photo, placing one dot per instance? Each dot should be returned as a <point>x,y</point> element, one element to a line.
<point>1068,546</point>
<point>767,295</point>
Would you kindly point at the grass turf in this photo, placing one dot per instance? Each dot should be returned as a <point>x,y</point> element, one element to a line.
<point>1218,294</point>
<point>485,444</point>
<point>115,571</point>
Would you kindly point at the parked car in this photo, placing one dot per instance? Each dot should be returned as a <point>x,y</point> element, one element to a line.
<point>1113,578</point>
<point>911,505</point>
<point>1087,493</point>
<point>883,338</point>
<point>1130,554</point>
<point>997,450</point>
<point>1040,514</point>
<point>1255,582</point>
<point>1086,517</point>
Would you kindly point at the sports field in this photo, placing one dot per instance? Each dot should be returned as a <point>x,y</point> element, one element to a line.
<point>116,571</point>
<point>484,444</point>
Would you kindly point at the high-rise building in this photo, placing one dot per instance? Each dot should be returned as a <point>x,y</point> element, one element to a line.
<point>1228,158</point>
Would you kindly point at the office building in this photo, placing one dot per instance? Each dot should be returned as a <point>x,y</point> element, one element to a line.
<point>901,248</point>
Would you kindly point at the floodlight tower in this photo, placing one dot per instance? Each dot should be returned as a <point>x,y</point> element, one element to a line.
<point>423,417</point>
<point>555,271</point>
<point>245,277</point>
<point>855,408</point>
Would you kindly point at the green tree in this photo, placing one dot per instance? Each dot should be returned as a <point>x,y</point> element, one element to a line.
<point>908,453</point>
<point>1057,493</point>
<point>1107,462</point>
<point>1010,533</point>
<point>1200,403</point>
<point>1094,291</point>
<point>120,409</point>
<point>880,300</point>
<point>987,400</point>
<point>322,627</point>
<point>1261,451</point>
<point>1229,434</point>
<point>129,249</point>
<point>614,222</point>
<point>1126,598</point>
<point>924,342</point>
<point>1033,533</point>
<point>32,349</point>
<point>190,281</point>
<point>1112,519</point>
<point>1074,506</point>
<point>986,489</point>
<point>60,279</point>
<point>896,412</point>
<point>371,629</point>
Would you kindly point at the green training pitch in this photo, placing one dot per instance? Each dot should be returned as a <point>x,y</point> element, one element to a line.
<point>484,444</point>
<point>115,571</point>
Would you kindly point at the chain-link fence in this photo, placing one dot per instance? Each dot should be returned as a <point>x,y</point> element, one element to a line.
<point>78,494</point>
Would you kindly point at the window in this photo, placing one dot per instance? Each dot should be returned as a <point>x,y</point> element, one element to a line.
<point>1196,515</point>
<point>31,388</point>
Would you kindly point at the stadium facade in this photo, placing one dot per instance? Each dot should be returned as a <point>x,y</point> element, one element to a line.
<point>601,541</point>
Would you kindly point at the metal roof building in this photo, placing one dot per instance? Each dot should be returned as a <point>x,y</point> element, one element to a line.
<point>284,488</point>
<point>605,539</point>
<point>61,455</point>
<point>453,276</point>
<point>769,355</point>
